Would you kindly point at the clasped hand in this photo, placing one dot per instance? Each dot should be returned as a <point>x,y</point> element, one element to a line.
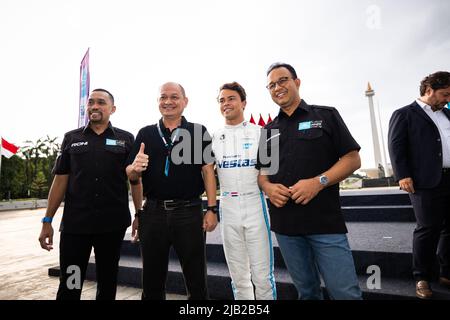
<point>302,192</point>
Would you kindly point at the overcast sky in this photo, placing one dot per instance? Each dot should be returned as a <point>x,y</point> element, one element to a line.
<point>135,46</point>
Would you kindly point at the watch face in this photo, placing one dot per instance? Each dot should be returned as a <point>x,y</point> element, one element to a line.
<point>323,180</point>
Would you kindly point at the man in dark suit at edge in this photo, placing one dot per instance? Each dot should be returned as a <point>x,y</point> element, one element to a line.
<point>419,147</point>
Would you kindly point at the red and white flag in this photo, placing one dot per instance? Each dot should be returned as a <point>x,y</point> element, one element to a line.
<point>269,120</point>
<point>251,119</point>
<point>8,149</point>
<point>261,121</point>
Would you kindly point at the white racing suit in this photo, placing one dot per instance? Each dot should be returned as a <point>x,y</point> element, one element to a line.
<point>244,220</point>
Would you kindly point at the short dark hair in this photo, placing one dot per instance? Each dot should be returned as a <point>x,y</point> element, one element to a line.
<point>437,80</point>
<point>106,91</point>
<point>235,87</point>
<point>277,65</point>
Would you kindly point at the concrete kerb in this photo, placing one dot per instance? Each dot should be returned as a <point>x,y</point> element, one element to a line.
<point>21,205</point>
<point>42,203</point>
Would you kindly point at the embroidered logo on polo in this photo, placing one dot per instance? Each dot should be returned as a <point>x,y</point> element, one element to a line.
<point>310,125</point>
<point>112,142</point>
<point>79,144</point>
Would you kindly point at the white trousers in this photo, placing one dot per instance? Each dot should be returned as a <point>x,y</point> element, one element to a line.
<point>247,245</point>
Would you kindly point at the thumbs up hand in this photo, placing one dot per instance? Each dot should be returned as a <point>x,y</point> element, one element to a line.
<point>140,162</point>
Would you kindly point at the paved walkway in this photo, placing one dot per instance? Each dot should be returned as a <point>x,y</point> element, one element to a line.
<point>24,265</point>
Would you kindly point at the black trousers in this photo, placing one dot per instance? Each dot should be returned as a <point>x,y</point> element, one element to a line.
<point>432,232</point>
<point>74,253</point>
<point>160,229</point>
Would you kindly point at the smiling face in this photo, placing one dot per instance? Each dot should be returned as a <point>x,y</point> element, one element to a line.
<point>100,107</point>
<point>171,101</point>
<point>283,89</point>
<point>231,106</point>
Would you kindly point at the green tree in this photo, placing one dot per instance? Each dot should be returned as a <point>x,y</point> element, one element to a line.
<point>50,151</point>
<point>39,188</point>
<point>32,151</point>
<point>12,178</point>
<point>29,173</point>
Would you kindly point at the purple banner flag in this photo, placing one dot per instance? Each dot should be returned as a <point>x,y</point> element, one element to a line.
<point>84,90</point>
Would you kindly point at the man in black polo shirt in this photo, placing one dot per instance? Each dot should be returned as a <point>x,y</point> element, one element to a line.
<point>316,152</point>
<point>169,158</point>
<point>90,175</point>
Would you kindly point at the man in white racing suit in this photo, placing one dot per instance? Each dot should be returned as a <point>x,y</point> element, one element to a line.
<point>243,211</point>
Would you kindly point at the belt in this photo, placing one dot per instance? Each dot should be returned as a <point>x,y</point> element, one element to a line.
<point>173,204</point>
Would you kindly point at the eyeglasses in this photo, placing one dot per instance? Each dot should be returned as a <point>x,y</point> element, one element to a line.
<point>280,82</point>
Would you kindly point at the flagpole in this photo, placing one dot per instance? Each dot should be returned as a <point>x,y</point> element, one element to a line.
<point>1,144</point>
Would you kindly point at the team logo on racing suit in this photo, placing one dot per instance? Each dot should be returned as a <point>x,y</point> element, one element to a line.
<point>237,163</point>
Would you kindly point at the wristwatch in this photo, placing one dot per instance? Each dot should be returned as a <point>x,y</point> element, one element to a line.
<point>212,208</point>
<point>323,179</point>
<point>135,182</point>
<point>47,219</point>
<point>138,213</point>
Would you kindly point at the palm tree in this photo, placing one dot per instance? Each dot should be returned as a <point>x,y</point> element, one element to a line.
<point>39,156</point>
<point>50,151</point>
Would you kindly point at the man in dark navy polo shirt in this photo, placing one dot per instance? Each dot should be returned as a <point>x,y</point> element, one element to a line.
<point>90,176</point>
<point>174,160</point>
<point>316,152</point>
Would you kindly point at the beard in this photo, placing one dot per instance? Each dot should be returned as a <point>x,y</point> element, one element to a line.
<point>438,106</point>
<point>95,117</point>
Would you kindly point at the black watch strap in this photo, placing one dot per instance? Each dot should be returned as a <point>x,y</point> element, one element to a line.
<point>212,208</point>
<point>138,213</point>
<point>135,182</point>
